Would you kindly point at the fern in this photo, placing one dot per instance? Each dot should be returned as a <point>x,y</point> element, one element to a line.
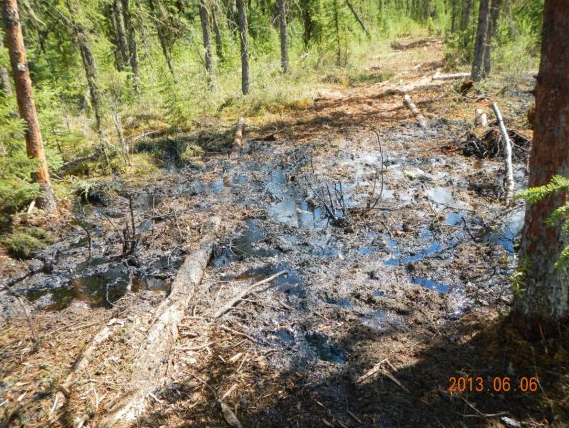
<point>557,185</point>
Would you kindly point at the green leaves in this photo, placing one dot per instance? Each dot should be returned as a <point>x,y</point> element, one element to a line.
<point>557,185</point>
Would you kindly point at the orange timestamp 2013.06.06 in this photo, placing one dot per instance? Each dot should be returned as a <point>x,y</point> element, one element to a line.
<point>492,384</point>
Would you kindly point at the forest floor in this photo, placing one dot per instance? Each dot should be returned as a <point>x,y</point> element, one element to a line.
<point>397,249</point>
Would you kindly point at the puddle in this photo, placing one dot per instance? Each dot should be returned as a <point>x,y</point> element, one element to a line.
<point>433,248</point>
<point>453,219</point>
<point>440,195</point>
<point>244,246</point>
<point>508,232</point>
<point>324,349</point>
<point>342,302</point>
<point>97,283</point>
<point>431,284</point>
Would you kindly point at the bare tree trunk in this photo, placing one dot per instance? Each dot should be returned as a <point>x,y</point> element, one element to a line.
<point>242,23</point>
<point>357,16</point>
<point>209,67</point>
<point>466,15</point>
<point>118,20</point>
<point>492,28</point>
<point>541,309</point>
<point>217,32</point>
<point>90,67</point>
<point>5,84</point>
<point>284,46</point>
<point>25,98</point>
<point>480,42</point>
<point>161,36</point>
<point>132,47</point>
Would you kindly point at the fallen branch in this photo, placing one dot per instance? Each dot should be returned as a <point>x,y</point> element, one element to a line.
<point>509,178</point>
<point>151,367</point>
<point>244,293</point>
<point>416,112</point>
<point>238,140</point>
<point>453,76</point>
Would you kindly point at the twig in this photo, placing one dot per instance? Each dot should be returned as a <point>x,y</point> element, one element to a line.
<point>244,293</point>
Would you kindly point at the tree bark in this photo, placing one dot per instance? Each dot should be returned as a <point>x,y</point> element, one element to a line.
<point>284,45</point>
<point>90,67</point>
<point>544,305</point>
<point>25,98</point>
<point>118,20</point>
<point>480,41</point>
<point>492,28</point>
<point>161,36</point>
<point>357,16</point>
<point>217,32</point>
<point>132,46</point>
<point>5,84</point>
<point>242,24</point>
<point>209,67</point>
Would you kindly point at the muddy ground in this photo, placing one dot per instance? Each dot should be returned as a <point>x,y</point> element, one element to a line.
<point>397,249</point>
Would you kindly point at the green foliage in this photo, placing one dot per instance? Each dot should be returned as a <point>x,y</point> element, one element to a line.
<point>22,245</point>
<point>518,278</point>
<point>557,185</point>
<point>16,186</point>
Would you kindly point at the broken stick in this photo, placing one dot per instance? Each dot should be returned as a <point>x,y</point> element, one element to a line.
<point>416,112</point>
<point>151,367</point>
<point>509,178</point>
<point>244,293</point>
<point>480,118</point>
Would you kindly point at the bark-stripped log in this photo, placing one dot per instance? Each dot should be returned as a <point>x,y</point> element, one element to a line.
<point>452,76</point>
<point>509,179</point>
<point>150,369</point>
<point>420,118</point>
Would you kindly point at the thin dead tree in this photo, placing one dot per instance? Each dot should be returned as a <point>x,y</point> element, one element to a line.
<point>209,65</point>
<point>242,24</point>
<point>283,36</point>
<point>481,41</point>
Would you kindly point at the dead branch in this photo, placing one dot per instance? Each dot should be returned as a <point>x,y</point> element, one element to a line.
<point>509,178</point>
<point>416,112</point>
<point>244,293</point>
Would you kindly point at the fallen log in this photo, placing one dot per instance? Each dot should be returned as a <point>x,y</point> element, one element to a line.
<point>150,369</point>
<point>452,76</point>
<point>509,178</point>
<point>416,112</point>
<point>238,140</point>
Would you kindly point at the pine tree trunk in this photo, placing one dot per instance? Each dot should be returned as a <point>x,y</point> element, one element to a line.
<point>284,46</point>
<point>466,14</point>
<point>492,28</point>
<point>209,67</point>
<point>90,67</point>
<point>540,310</point>
<point>118,19</point>
<point>5,84</point>
<point>307,22</point>
<point>217,32</point>
<point>25,98</point>
<point>480,41</point>
<point>132,46</point>
<point>242,23</point>
<point>161,36</point>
